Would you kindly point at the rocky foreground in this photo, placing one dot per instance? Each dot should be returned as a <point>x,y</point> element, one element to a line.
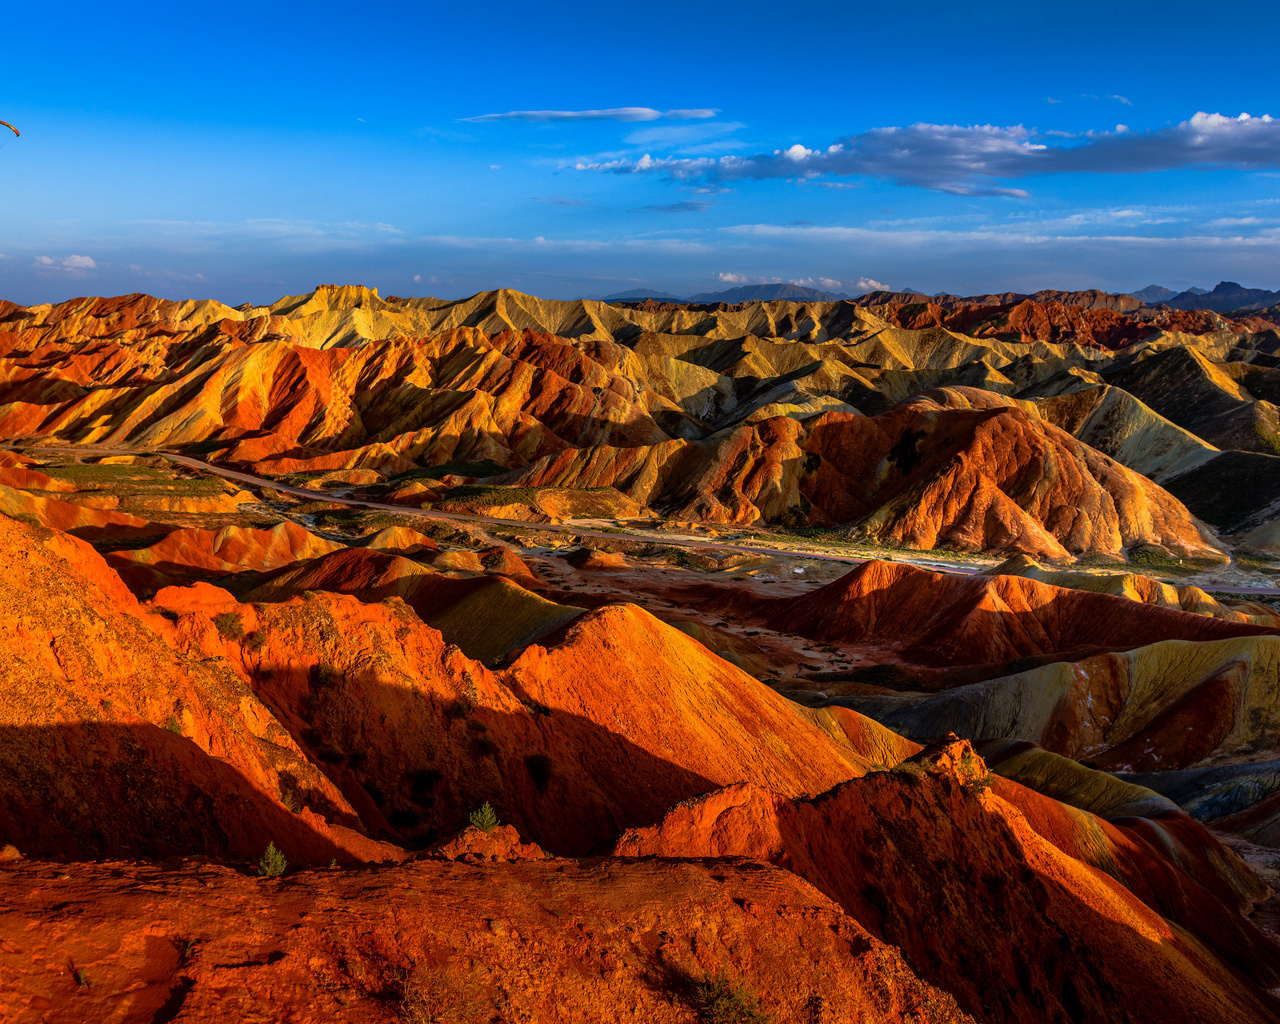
<point>268,757</point>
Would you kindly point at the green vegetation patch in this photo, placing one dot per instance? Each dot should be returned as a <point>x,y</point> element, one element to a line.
<point>717,999</point>
<point>138,480</point>
<point>1153,560</point>
<point>483,494</point>
<point>476,469</point>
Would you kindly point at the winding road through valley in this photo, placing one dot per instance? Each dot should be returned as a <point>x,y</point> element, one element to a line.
<point>929,561</point>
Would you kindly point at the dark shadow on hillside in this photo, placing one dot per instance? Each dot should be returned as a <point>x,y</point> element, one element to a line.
<point>422,761</point>
<point>89,790</point>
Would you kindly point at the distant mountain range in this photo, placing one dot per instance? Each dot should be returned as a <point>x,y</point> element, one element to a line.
<point>1153,293</point>
<point>745,293</point>
<point>1227,297</point>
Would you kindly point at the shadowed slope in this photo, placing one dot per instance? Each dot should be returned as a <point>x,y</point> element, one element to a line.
<point>1054,939</point>
<point>942,619</point>
<point>114,743</point>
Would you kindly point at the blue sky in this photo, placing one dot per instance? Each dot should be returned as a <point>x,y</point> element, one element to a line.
<point>244,151</point>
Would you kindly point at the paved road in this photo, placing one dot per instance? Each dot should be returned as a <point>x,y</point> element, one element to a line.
<point>577,531</point>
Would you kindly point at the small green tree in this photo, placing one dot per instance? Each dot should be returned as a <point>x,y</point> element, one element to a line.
<point>272,863</point>
<point>484,817</point>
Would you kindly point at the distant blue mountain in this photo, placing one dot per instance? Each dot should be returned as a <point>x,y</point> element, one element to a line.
<point>1153,293</point>
<point>768,293</point>
<point>1226,297</point>
<point>638,294</point>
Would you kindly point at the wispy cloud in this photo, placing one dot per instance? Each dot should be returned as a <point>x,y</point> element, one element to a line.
<point>559,201</point>
<point>1013,235</point>
<point>973,160</point>
<point>688,206</point>
<point>1112,96</point>
<point>689,138</point>
<point>608,114</point>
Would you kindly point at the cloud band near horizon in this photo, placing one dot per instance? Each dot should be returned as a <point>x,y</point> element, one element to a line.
<point>973,159</point>
<point>610,114</point>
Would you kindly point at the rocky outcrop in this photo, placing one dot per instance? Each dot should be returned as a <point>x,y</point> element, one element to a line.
<point>554,941</point>
<point>949,832</point>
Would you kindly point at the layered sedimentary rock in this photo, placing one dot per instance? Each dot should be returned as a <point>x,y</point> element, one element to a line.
<point>737,414</point>
<point>932,800</point>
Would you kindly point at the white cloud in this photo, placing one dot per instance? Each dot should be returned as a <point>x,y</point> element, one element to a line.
<point>417,279</point>
<point>72,266</point>
<point>746,279</point>
<point>867,284</point>
<point>974,159</point>
<point>1231,222</point>
<point>829,284</point>
<point>608,114</point>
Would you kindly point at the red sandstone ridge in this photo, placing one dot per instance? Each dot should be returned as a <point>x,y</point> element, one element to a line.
<point>607,728</point>
<point>358,716</point>
<point>730,415</point>
<point>356,701</point>
<point>920,475</point>
<point>113,743</point>
<point>1052,937</point>
<point>943,619</point>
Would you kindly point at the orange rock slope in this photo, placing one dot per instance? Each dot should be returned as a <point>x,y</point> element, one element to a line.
<point>677,412</point>
<point>349,731</point>
<point>1049,937</point>
<point>946,620</point>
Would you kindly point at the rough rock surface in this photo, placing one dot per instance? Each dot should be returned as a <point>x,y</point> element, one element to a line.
<point>1060,939</point>
<point>561,942</point>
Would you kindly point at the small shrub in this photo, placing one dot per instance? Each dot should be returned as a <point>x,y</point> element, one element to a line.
<point>912,770</point>
<point>325,677</point>
<point>272,863</point>
<point>539,766</point>
<point>717,1000</point>
<point>229,625</point>
<point>255,640</point>
<point>82,978</point>
<point>173,725</point>
<point>427,997</point>
<point>290,799</point>
<point>459,708</point>
<point>484,817</point>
